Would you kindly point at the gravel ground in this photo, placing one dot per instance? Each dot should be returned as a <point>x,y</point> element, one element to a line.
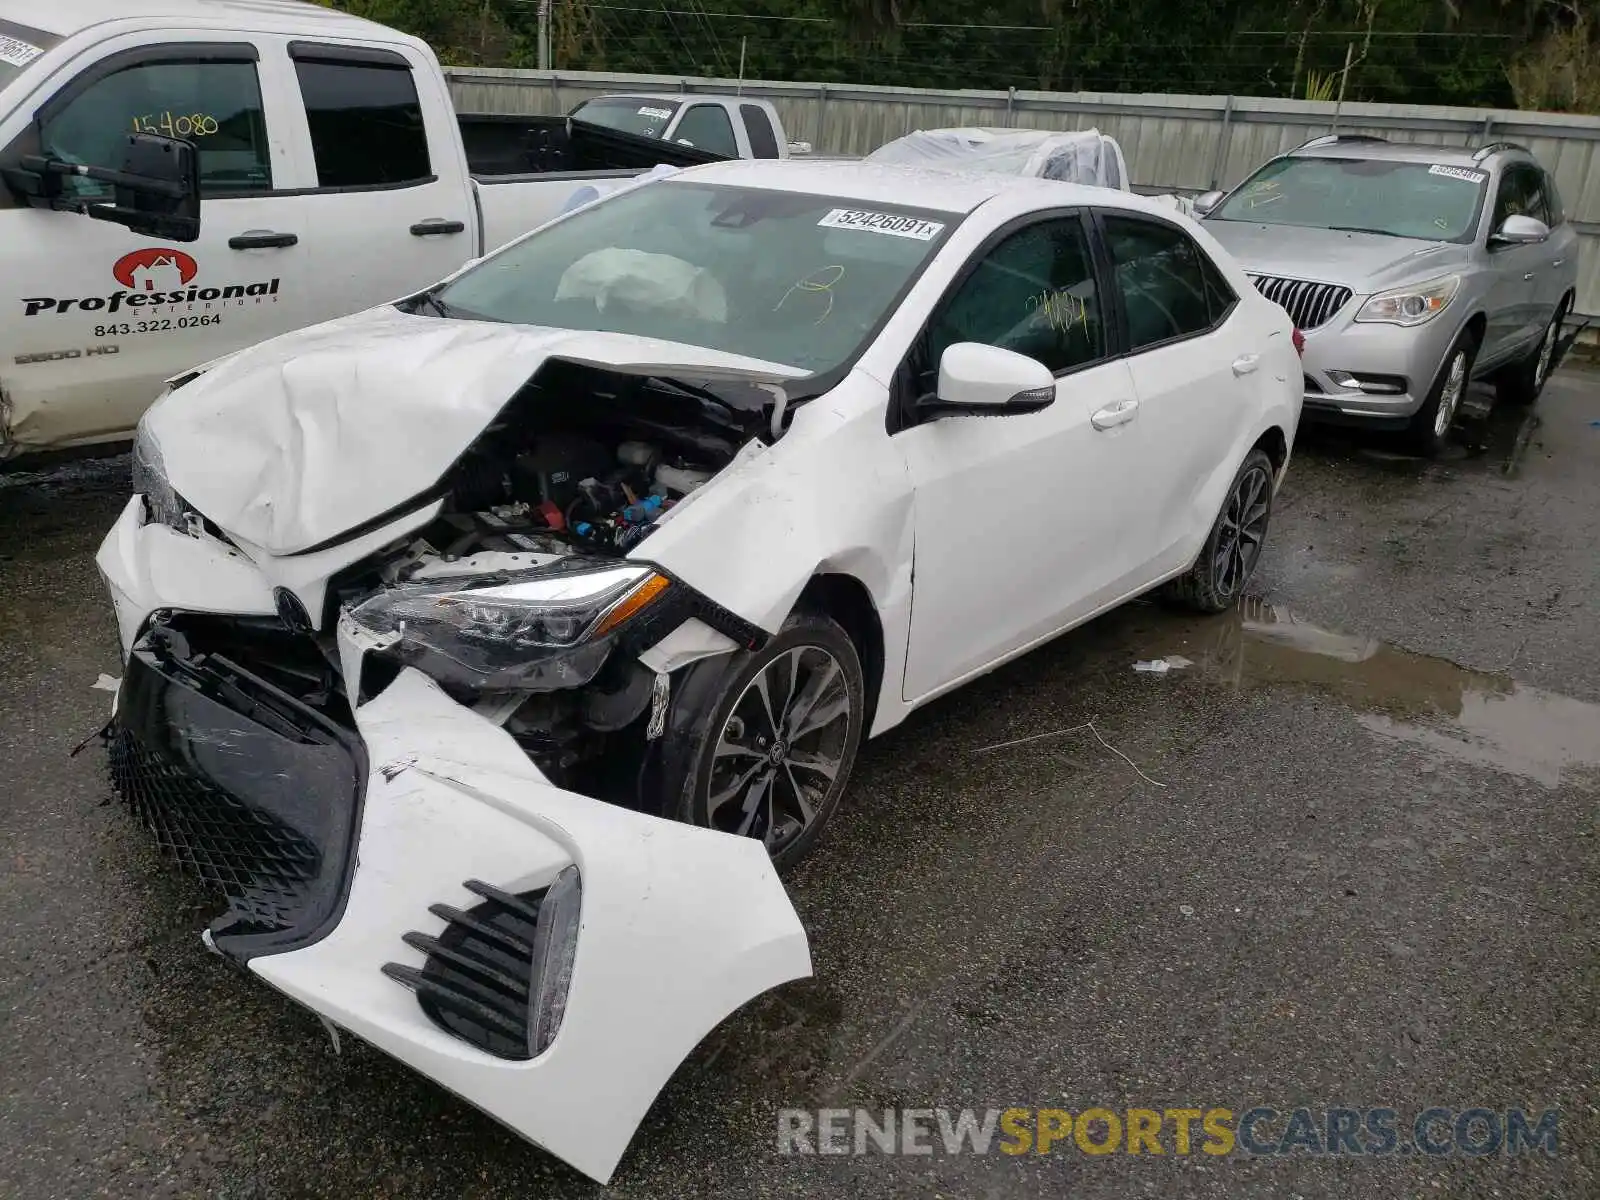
<point>1349,858</point>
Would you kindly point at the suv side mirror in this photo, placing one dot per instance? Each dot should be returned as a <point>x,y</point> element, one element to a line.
<point>980,380</point>
<point>1206,201</point>
<point>1519,231</point>
<point>155,189</point>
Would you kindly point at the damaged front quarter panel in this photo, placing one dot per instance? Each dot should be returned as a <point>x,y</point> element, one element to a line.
<point>678,926</point>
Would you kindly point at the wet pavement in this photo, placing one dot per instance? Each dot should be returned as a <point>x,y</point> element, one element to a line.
<point>1344,854</point>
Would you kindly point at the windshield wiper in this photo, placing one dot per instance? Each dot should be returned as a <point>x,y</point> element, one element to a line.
<point>429,301</point>
<point>1358,229</point>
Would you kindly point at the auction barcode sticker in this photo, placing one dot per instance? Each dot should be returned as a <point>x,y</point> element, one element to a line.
<point>17,52</point>
<point>1465,173</point>
<point>660,114</point>
<point>878,222</point>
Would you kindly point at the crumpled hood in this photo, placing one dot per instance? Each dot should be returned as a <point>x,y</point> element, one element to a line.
<point>1363,262</point>
<point>312,434</point>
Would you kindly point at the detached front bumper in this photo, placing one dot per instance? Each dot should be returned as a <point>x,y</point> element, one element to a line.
<point>354,861</point>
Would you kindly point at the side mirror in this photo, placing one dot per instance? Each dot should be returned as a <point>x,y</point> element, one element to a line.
<point>155,188</point>
<point>1519,231</point>
<point>986,381</point>
<point>1206,201</point>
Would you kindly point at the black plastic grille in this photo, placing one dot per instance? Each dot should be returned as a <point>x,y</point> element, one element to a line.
<point>243,784</point>
<point>476,979</point>
<point>261,865</point>
<point>1308,304</point>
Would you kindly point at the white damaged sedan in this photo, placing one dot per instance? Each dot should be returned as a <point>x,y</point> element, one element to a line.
<point>492,651</point>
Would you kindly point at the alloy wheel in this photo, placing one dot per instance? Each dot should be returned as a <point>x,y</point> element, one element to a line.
<point>781,748</point>
<point>1547,349</point>
<point>1455,385</point>
<point>1244,529</point>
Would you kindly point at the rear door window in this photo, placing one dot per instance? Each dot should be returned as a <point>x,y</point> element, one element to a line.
<point>365,117</point>
<point>763,142</point>
<point>1169,288</point>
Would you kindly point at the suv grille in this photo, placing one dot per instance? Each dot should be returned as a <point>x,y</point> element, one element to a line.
<point>1308,304</point>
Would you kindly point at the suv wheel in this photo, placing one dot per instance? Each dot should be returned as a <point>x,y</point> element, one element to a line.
<point>1522,382</point>
<point>1431,424</point>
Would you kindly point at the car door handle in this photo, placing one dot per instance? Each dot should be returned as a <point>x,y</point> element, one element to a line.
<point>436,226</point>
<point>1246,363</point>
<point>1116,414</point>
<point>1529,275</point>
<point>261,240</point>
<point>1558,262</point>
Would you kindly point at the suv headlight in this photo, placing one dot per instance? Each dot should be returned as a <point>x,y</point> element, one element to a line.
<point>538,630</point>
<point>1414,305</point>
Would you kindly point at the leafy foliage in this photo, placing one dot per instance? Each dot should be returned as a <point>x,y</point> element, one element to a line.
<point>1541,53</point>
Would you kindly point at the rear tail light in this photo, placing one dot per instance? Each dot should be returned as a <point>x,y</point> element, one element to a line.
<point>1299,343</point>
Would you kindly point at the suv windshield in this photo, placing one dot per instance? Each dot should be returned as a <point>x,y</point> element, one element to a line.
<point>793,279</point>
<point>19,46</point>
<point>1400,199</point>
<point>642,115</point>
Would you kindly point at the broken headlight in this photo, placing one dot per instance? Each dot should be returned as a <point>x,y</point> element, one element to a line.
<point>163,505</point>
<point>538,630</point>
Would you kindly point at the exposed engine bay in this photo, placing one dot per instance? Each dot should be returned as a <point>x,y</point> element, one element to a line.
<point>576,472</point>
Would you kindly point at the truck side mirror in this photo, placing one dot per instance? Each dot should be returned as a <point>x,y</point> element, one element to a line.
<point>155,188</point>
<point>1206,201</point>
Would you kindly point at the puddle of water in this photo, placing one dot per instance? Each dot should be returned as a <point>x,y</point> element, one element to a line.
<point>1475,717</point>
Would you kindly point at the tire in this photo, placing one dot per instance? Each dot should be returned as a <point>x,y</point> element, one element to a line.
<point>1232,550</point>
<point>1430,426</point>
<point>1521,383</point>
<point>737,777</point>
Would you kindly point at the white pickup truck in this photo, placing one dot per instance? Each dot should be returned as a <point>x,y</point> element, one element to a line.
<point>334,173</point>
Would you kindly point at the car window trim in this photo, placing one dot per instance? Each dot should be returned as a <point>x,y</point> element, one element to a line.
<point>1128,351</point>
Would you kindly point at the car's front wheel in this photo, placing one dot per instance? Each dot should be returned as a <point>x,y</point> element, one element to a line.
<point>1233,548</point>
<point>1430,425</point>
<point>1523,381</point>
<point>780,732</point>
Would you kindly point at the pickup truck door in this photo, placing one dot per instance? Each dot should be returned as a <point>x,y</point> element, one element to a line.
<point>384,189</point>
<point>96,316</point>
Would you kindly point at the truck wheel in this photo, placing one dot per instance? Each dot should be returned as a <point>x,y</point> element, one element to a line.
<point>773,753</point>
<point>1233,548</point>
<point>1522,382</point>
<point>1430,426</point>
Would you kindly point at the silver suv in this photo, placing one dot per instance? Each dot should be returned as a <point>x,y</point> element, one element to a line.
<point>1410,270</point>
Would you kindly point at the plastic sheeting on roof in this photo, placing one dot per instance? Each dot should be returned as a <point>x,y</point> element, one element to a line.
<point>1086,156</point>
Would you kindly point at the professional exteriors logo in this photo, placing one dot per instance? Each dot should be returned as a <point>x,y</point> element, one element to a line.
<point>159,281</point>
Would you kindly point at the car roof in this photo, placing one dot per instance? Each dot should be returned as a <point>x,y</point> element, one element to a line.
<point>1416,152</point>
<point>937,190</point>
<point>67,17</point>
